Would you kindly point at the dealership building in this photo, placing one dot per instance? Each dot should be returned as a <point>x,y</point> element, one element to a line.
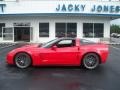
<point>43,20</point>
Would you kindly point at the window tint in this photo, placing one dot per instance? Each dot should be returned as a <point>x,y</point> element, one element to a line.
<point>88,30</point>
<point>85,42</point>
<point>66,29</point>
<point>98,30</point>
<point>65,43</point>
<point>93,30</point>
<point>71,29</point>
<point>43,29</point>
<point>60,30</point>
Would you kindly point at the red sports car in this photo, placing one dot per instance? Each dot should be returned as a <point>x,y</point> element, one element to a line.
<point>60,52</point>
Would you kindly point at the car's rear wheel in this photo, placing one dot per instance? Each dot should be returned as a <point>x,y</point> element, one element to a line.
<point>22,60</point>
<point>91,61</point>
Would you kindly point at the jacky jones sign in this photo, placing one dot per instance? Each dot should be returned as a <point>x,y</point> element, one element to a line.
<point>2,7</point>
<point>58,6</point>
<point>82,7</point>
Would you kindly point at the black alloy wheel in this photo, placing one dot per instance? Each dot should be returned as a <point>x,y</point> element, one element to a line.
<point>22,60</point>
<point>91,61</point>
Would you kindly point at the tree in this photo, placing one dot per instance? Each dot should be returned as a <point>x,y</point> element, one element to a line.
<point>115,29</point>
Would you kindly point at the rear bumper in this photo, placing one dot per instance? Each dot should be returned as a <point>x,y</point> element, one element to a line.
<point>104,57</point>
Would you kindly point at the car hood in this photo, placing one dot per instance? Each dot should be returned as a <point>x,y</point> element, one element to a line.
<point>31,45</point>
<point>26,48</point>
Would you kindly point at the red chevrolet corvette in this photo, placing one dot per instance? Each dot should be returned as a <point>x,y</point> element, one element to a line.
<point>60,52</point>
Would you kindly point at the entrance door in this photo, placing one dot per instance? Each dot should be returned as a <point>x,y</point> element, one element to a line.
<point>22,34</point>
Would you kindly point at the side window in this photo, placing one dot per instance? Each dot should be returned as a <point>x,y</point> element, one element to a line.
<point>65,43</point>
<point>86,42</point>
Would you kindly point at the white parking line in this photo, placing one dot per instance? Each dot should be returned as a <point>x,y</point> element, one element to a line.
<point>115,48</point>
<point>7,46</point>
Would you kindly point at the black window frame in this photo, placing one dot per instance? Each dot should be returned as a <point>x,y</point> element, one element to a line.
<point>94,33</point>
<point>42,30</point>
<point>60,33</point>
<point>66,30</point>
<point>88,27</point>
<point>100,27</point>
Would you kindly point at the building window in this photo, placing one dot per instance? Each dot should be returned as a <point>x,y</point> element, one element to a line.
<point>43,29</point>
<point>88,30</point>
<point>93,30</point>
<point>1,26</point>
<point>60,29</point>
<point>66,29</point>
<point>8,33</point>
<point>71,29</point>
<point>98,30</point>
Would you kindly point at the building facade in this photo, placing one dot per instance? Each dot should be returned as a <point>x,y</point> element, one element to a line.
<point>43,20</point>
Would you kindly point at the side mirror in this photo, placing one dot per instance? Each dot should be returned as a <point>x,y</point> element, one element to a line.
<point>54,47</point>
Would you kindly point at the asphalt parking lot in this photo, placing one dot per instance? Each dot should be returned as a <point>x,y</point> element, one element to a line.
<point>105,77</point>
<point>5,45</point>
<point>116,40</point>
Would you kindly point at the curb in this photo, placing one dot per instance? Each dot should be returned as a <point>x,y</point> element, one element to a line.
<point>113,43</point>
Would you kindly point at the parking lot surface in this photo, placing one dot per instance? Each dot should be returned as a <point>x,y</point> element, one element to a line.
<point>105,77</point>
<point>5,45</point>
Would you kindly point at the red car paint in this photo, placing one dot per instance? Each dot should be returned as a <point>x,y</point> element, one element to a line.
<point>66,56</point>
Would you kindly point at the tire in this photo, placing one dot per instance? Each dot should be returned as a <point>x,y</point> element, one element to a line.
<point>22,60</point>
<point>91,61</point>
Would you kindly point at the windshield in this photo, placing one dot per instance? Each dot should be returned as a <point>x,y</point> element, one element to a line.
<point>49,44</point>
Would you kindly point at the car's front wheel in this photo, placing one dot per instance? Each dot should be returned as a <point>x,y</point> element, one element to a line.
<point>91,61</point>
<point>22,60</point>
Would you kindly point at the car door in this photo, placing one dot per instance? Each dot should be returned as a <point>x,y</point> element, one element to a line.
<point>63,52</point>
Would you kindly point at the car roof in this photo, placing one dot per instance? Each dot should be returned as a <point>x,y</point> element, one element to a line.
<point>66,38</point>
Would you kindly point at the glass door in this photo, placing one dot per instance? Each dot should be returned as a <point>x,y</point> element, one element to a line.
<point>8,34</point>
<point>23,31</point>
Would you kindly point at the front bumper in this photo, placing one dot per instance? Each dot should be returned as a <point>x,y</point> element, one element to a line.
<point>9,59</point>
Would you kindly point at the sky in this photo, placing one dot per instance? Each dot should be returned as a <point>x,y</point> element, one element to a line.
<point>116,21</point>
